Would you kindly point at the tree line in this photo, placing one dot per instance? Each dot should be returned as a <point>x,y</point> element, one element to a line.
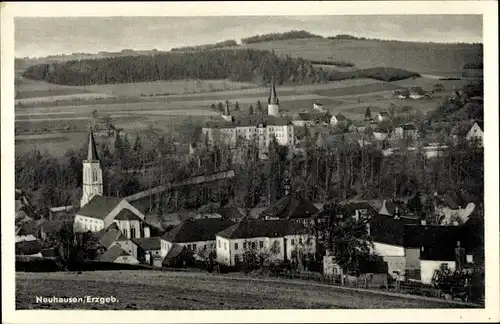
<point>293,34</point>
<point>204,47</point>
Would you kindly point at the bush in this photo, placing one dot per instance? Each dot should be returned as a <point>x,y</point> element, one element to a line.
<point>37,264</point>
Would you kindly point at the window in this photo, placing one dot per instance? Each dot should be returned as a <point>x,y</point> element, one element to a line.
<point>253,245</point>
<point>225,248</point>
<point>261,244</point>
<point>236,246</point>
<point>204,247</point>
<point>244,245</point>
<point>300,240</point>
<point>194,247</point>
<point>236,259</point>
<point>293,242</point>
<point>218,241</point>
<point>189,246</point>
<point>132,232</point>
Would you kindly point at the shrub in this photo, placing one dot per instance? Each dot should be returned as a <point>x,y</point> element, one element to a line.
<point>37,264</point>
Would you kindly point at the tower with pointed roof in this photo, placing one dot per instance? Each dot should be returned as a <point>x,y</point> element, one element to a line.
<point>273,106</point>
<point>92,173</point>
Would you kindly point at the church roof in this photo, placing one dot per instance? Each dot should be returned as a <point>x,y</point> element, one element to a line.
<point>111,236</point>
<point>289,207</point>
<point>99,206</point>
<point>92,150</point>
<point>273,98</point>
<point>126,214</point>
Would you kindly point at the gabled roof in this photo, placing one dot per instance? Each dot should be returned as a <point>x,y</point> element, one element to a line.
<point>480,124</point>
<point>112,235</point>
<point>263,228</point>
<point>99,206</point>
<point>386,229</point>
<point>28,247</point>
<point>126,214</point>
<point>291,206</point>
<point>231,212</point>
<point>174,251</point>
<point>148,243</point>
<point>112,254</point>
<point>194,230</point>
<point>351,208</point>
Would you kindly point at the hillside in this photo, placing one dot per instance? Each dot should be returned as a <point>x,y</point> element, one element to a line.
<point>430,58</point>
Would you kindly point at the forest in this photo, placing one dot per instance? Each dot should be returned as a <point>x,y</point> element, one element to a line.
<point>222,44</point>
<point>257,66</point>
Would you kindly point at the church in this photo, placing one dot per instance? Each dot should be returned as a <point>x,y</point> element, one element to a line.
<point>98,212</point>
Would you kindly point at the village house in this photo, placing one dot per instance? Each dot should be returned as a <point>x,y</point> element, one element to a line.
<point>405,132</point>
<point>359,210</point>
<point>416,93</point>
<point>339,118</point>
<point>292,206</point>
<point>117,255</point>
<point>319,107</point>
<point>197,235</point>
<point>154,248</point>
<point>468,131</point>
<point>275,239</point>
<point>383,116</point>
<point>381,132</point>
<point>428,247</point>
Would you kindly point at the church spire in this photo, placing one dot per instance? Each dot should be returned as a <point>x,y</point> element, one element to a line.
<point>92,150</point>
<point>273,98</point>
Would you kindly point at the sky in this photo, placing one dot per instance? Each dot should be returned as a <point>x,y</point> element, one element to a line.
<point>37,37</point>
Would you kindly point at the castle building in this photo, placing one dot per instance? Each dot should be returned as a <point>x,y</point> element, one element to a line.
<point>261,128</point>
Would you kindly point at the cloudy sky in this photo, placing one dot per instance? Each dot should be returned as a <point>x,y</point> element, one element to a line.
<point>35,37</point>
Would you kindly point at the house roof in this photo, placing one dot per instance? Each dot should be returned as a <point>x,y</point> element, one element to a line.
<point>480,124</point>
<point>174,251</point>
<point>438,242</point>
<point>461,128</point>
<point>263,228</point>
<point>384,114</point>
<point>112,254</point>
<point>99,206</point>
<point>291,206</point>
<point>127,214</point>
<point>231,212</point>
<point>26,228</point>
<point>112,235</point>
<point>195,230</point>
<point>313,115</point>
<point>351,208</point>
<point>28,247</point>
<point>386,229</point>
<point>148,243</point>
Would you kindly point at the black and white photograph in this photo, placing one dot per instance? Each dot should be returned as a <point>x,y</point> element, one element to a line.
<point>250,161</point>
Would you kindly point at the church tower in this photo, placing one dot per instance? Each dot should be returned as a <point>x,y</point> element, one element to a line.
<point>273,105</point>
<point>92,173</point>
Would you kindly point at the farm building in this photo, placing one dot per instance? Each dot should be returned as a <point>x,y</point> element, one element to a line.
<point>312,119</point>
<point>276,239</point>
<point>154,248</point>
<point>197,235</point>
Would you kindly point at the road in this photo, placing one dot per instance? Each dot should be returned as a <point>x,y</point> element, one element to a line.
<point>162,290</point>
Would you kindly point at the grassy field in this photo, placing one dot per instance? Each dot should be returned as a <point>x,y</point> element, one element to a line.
<point>155,290</point>
<point>417,57</point>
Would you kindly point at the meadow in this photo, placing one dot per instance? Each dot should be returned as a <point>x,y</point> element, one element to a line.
<point>162,290</point>
<point>431,58</point>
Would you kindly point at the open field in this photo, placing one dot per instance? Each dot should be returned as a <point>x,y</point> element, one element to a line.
<point>431,58</point>
<point>147,290</point>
